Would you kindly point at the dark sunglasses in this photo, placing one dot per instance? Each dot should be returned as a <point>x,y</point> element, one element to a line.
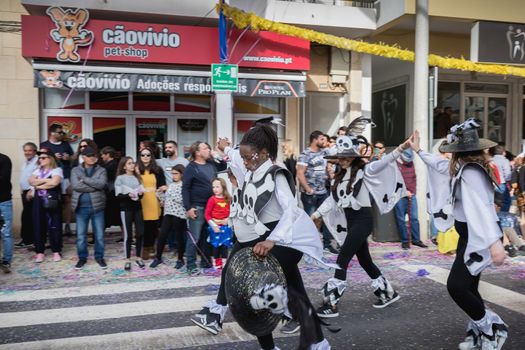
<point>43,157</point>
<point>379,147</point>
<point>83,146</point>
<point>60,132</point>
<point>145,155</point>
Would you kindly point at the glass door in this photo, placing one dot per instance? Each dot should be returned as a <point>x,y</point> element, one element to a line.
<point>492,111</point>
<point>110,131</point>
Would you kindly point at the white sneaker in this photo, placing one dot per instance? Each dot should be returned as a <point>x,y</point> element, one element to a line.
<point>471,342</point>
<point>487,343</point>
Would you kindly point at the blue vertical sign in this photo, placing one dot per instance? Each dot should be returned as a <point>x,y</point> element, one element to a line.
<point>223,45</point>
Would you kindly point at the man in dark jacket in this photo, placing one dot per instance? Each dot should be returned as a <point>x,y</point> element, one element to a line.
<point>196,190</point>
<point>6,211</point>
<point>89,182</point>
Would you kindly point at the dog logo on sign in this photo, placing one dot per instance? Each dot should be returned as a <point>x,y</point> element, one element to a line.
<point>69,32</point>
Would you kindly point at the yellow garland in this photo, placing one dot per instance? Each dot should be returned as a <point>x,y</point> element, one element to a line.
<point>242,19</point>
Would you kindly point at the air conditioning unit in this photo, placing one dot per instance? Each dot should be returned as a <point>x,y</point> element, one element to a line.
<point>339,65</point>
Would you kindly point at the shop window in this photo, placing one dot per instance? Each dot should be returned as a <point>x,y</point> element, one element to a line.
<point>55,98</point>
<point>110,132</point>
<point>189,131</point>
<point>257,105</point>
<point>192,103</point>
<point>151,102</point>
<point>243,125</point>
<point>497,115</point>
<point>322,113</point>
<point>447,111</point>
<point>117,101</point>
<point>475,108</point>
<point>72,126</point>
<point>153,130</point>
<point>487,88</point>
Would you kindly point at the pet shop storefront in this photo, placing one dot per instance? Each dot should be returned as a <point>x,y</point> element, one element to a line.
<point>121,83</point>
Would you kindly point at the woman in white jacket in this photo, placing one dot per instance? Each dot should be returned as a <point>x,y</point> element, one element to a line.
<point>461,193</point>
<point>350,206</point>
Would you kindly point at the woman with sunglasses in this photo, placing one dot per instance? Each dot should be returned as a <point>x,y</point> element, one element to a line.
<point>83,144</point>
<point>46,205</point>
<point>153,181</point>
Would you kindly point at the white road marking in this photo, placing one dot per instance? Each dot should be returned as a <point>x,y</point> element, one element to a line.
<point>107,289</point>
<point>169,338</point>
<point>497,295</point>
<point>100,312</point>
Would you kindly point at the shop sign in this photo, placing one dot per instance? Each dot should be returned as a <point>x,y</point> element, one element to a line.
<point>224,77</point>
<point>96,81</point>
<point>498,43</point>
<point>70,36</point>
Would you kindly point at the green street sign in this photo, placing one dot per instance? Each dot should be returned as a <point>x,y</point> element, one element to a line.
<point>224,77</point>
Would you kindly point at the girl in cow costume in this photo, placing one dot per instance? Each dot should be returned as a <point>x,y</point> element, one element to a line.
<point>461,193</point>
<point>349,206</point>
<point>266,217</point>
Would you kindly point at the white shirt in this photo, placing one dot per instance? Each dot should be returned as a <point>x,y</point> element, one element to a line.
<point>27,169</point>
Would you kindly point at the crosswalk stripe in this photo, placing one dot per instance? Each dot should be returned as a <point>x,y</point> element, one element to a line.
<point>107,289</point>
<point>497,295</point>
<point>168,338</point>
<point>100,312</point>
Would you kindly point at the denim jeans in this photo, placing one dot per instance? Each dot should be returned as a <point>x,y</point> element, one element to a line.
<point>195,229</point>
<point>401,210</point>
<point>83,215</point>
<point>6,208</point>
<point>310,205</point>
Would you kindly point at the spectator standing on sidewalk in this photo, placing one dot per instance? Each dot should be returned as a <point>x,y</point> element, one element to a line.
<point>62,152</point>
<point>172,159</point>
<point>89,181</point>
<point>47,205</point>
<point>408,205</point>
<point>29,165</point>
<point>196,190</point>
<point>312,175</point>
<point>505,172</point>
<point>154,182</point>
<point>111,213</point>
<point>6,210</point>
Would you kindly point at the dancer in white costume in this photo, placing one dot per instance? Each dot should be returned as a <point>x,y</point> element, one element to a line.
<point>461,193</point>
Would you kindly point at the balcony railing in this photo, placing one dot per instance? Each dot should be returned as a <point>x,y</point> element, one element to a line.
<point>351,3</point>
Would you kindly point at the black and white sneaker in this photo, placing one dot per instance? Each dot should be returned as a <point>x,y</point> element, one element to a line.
<point>208,321</point>
<point>102,263</point>
<point>327,311</point>
<point>384,302</point>
<point>80,264</point>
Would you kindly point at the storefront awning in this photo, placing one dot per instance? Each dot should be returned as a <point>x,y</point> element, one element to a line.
<point>99,78</point>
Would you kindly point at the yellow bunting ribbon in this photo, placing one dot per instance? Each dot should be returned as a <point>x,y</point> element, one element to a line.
<point>242,20</point>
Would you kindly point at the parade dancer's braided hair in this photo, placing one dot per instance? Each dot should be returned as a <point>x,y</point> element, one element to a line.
<point>262,136</point>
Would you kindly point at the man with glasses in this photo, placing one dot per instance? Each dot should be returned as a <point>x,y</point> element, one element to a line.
<point>63,152</point>
<point>89,182</point>
<point>29,165</point>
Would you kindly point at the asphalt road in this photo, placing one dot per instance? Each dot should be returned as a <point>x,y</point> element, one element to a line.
<point>52,306</point>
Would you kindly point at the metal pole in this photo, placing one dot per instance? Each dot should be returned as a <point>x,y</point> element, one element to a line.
<point>421,109</point>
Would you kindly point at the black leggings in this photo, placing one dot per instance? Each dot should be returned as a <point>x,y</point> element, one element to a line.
<point>220,252</point>
<point>288,259</point>
<point>461,285</point>
<point>359,227</point>
<point>151,231</point>
<point>171,223</point>
<point>129,218</point>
